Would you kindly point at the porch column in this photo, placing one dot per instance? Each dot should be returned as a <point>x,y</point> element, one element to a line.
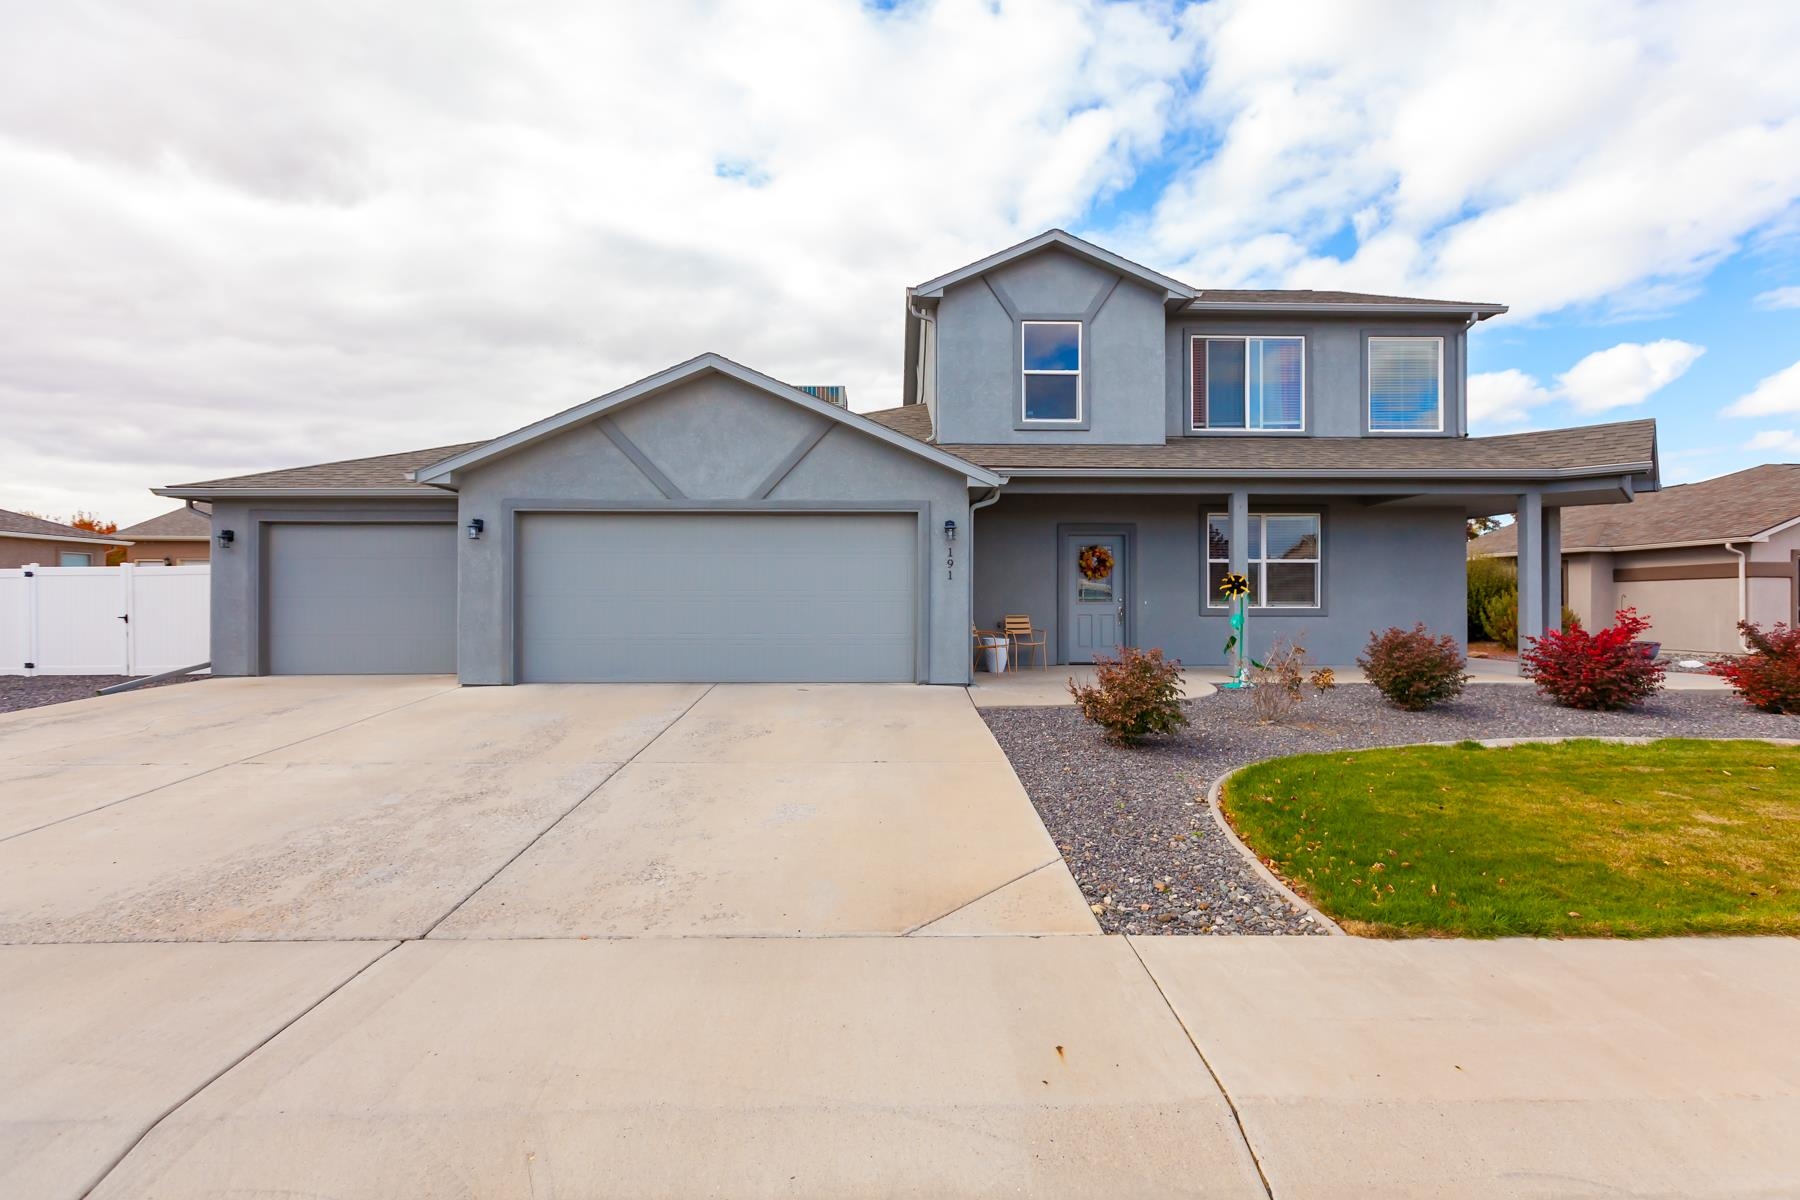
<point>1531,566</point>
<point>1553,589</point>
<point>1239,511</point>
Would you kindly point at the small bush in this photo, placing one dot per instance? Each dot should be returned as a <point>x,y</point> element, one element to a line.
<point>1278,682</point>
<point>1768,677</point>
<point>1607,670</point>
<point>1488,577</point>
<point>1132,696</point>
<point>1500,619</point>
<point>1413,669</point>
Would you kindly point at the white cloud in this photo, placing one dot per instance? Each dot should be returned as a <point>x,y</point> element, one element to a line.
<point>1619,376</point>
<point>1780,441</point>
<point>1781,297</point>
<point>1626,374</point>
<point>1777,393</point>
<point>252,236</point>
<point>258,236</point>
<point>1545,155</point>
<point>1505,397</point>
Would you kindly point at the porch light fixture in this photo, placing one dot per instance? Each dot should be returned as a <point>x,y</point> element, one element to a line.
<point>949,531</point>
<point>226,537</point>
<point>476,525</point>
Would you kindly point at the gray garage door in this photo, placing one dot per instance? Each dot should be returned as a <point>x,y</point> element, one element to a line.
<point>362,599</point>
<point>751,597</point>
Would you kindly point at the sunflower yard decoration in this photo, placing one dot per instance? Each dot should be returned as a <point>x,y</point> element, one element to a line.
<point>1095,562</point>
<point>1236,589</point>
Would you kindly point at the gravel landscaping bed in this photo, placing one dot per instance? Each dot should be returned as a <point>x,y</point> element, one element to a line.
<point>19,692</point>
<point>1133,825</point>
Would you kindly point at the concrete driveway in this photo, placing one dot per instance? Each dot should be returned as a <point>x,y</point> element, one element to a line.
<point>392,937</point>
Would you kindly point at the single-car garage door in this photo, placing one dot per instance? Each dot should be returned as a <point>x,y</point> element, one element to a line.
<point>720,597</point>
<point>361,599</point>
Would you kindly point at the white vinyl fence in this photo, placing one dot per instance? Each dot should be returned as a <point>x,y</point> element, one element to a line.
<point>126,620</point>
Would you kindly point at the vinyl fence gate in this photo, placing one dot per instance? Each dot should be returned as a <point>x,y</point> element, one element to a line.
<point>135,619</point>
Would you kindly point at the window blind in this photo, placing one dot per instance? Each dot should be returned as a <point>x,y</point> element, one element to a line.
<point>1405,383</point>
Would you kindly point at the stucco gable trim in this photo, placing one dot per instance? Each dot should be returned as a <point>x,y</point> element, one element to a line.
<point>1173,289</point>
<point>444,474</point>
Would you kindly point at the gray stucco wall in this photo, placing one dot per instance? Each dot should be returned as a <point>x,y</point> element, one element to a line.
<point>237,601</point>
<point>1336,367</point>
<point>978,369</point>
<point>717,442</point>
<point>1381,567</point>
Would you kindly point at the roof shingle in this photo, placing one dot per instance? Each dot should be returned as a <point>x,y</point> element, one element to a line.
<point>1729,508</point>
<point>30,526</point>
<point>383,471</point>
<point>184,522</point>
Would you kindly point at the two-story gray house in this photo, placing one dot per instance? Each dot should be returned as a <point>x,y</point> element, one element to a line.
<point>1083,440</point>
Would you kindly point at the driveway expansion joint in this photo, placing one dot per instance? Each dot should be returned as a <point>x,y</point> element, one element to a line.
<point>1236,1116</point>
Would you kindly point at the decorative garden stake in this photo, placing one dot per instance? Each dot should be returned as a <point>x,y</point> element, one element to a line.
<point>1237,589</point>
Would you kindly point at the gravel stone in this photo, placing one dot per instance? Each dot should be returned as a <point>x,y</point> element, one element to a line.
<point>20,692</point>
<point>1125,819</point>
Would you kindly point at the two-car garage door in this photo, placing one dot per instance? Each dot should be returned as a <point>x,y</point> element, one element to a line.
<point>719,597</point>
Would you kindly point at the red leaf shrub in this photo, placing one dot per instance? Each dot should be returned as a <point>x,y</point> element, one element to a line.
<point>1413,669</point>
<point>1610,669</point>
<point>1132,696</point>
<point>1769,676</point>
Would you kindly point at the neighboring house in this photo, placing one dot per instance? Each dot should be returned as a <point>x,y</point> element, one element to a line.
<point>25,540</point>
<point>709,522</point>
<point>1695,558</point>
<point>174,539</point>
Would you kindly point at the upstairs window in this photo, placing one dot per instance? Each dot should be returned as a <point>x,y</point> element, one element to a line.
<point>1249,383</point>
<point>1052,366</point>
<point>1283,559</point>
<point>1406,385</point>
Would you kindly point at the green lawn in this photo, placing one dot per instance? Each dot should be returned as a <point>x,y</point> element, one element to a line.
<point>1571,839</point>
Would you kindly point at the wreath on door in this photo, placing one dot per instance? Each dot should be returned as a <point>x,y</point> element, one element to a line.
<point>1095,562</point>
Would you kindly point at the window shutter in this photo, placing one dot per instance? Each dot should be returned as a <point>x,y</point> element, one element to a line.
<point>1197,400</point>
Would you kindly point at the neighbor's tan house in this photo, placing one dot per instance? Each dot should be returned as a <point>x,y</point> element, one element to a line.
<point>26,540</point>
<point>1694,558</point>
<point>174,539</point>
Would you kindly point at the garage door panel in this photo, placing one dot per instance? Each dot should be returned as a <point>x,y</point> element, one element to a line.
<point>717,597</point>
<point>362,599</point>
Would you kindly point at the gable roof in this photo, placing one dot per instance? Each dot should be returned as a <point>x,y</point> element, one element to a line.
<point>384,474</point>
<point>183,524</point>
<point>444,472</point>
<point>1173,289</point>
<point>24,525</point>
<point>1742,506</point>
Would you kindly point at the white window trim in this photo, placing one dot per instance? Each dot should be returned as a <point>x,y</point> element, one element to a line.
<point>1369,382</point>
<point>1261,566</point>
<point>1245,338</point>
<point>1027,372</point>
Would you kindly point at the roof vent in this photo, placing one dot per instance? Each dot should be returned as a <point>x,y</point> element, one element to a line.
<point>830,393</point>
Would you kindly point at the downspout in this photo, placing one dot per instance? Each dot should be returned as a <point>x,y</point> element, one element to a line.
<point>1743,558</point>
<point>969,572</point>
<point>926,322</point>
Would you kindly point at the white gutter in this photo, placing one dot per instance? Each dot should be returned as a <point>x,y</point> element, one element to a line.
<point>1743,558</point>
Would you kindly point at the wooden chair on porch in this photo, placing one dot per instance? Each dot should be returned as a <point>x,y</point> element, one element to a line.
<point>1021,636</point>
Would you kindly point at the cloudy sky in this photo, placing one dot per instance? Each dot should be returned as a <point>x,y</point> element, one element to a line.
<point>238,236</point>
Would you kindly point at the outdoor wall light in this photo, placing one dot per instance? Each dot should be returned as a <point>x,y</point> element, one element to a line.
<point>949,531</point>
<point>226,537</point>
<point>476,525</point>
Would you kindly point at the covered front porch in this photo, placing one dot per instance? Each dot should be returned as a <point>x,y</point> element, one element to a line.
<point>1099,564</point>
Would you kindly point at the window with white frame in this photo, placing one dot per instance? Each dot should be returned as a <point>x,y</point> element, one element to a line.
<point>1249,383</point>
<point>1283,559</point>
<point>1406,384</point>
<point>1051,363</point>
<point>74,558</point>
